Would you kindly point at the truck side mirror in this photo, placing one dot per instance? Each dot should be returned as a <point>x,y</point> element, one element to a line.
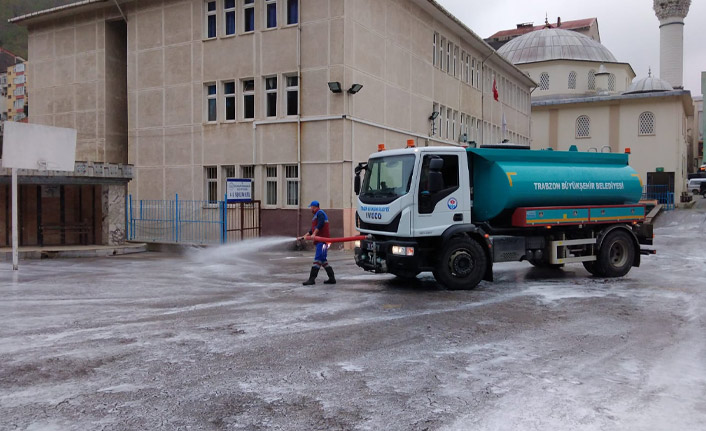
<point>356,184</point>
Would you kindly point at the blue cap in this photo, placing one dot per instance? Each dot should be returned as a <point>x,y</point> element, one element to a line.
<point>314,204</point>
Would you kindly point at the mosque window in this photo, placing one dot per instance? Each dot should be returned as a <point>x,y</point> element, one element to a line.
<point>544,81</point>
<point>646,124</point>
<point>591,79</point>
<point>611,82</point>
<point>583,127</point>
<point>572,80</point>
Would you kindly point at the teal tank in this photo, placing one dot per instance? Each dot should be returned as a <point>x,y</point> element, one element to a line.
<point>505,179</point>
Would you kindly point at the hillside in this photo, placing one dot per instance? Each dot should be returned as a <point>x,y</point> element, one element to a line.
<point>14,37</point>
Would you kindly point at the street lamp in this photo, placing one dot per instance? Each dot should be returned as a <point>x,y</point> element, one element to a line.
<point>335,87</point>
<point>355,88</point>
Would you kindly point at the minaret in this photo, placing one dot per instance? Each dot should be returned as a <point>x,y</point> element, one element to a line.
<point>671,14</point>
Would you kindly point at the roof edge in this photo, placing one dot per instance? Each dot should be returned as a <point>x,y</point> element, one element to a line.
<point>30,16</point>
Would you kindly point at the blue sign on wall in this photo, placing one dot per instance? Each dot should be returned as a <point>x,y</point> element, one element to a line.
<point>239,190</point>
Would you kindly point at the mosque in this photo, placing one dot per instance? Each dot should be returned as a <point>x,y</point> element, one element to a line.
<point>588,98</point>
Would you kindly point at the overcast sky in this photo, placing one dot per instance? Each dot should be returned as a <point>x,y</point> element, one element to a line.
<point>629,28</point>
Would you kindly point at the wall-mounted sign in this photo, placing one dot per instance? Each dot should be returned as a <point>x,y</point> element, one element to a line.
<point>239,190</point>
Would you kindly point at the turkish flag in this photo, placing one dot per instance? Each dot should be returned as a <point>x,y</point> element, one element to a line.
<point>495,90</point>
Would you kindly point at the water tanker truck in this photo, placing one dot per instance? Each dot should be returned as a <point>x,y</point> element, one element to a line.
<point>456,212</point>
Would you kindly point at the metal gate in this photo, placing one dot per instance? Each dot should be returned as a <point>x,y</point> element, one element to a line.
<point>192,222</point>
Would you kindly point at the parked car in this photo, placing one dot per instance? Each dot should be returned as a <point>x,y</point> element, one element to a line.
<point>694,185</point>
<point>702,190</point>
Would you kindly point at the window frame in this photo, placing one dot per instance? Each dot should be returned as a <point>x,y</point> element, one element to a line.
<point>248,7</point>
<point>245,95</point>
<point>292,180</point>
<point>210,97</point>
<point>207,18</point>
<point>289,6</point>
<point>271,180</point>
<point>226,11</point>
<point>291,89</point>
<point>587,127</point>
<point>642,118</point>
<point>435,42</point>
<point>266,15</point>
<point>268,92</point>
<point>234,98</point>
<point>211,183</point>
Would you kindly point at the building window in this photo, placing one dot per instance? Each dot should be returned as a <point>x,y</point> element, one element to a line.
<point>271,185</point>
<point>229,16</point>
<point>210,19</point>
<point>271,96</point>
<point>448,123</point>
<point>440,118</point>
<point>435,43</point>
<point>211,103</point>
<point>441,54</point>
<point>248,172</point>
<point>270,13</point>
<point>611,82</point>
<point>646,124</point>
<point>448,57</point>
<point>291,174</point>
<point>229,100</point>
<point>248,15</point>
<point>591,79</point>
<point>455,71</point>
<point>292,94</point>
<point>572,80</point>
<point>249,99</point>
<point>292,11</point>
<point>228,171</point>
<point>583,127</point>
<point>453,125</point>
<point>544,81</point>
<point>211,184</point>
<point>468,69</point>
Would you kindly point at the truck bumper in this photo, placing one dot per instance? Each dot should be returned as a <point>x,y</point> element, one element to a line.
<point>377,256</point>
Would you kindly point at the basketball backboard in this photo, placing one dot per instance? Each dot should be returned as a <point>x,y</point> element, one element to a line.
<point>33,146</point>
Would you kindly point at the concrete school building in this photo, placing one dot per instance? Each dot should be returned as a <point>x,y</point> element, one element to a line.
<point>291,93</point>
<point>587,98</point>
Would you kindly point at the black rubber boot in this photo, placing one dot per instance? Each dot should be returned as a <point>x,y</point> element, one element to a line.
<point>312,276</point>
<point>331,278</point>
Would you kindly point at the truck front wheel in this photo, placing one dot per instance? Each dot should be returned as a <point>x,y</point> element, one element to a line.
<point>616,255</point>
<point>461,265</point>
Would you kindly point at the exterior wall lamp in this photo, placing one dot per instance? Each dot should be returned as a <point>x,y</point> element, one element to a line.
<point>355,88</point>
<point>335,87</point>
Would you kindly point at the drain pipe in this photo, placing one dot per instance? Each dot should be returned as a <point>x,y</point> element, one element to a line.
<point>299,117</point>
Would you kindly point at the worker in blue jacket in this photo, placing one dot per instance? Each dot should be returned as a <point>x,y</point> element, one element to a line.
<point>319,227</point>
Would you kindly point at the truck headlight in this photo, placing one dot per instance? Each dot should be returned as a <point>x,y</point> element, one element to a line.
<point>356,243</point>
<point>402,251</point>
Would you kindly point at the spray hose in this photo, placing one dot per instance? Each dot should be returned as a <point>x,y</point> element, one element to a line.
<point>332,240</point>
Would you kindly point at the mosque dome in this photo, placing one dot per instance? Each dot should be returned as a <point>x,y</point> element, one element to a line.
<point>554,44</point>
<point>648,85</point>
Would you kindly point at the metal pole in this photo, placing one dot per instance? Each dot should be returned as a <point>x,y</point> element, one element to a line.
<point>15,256</point>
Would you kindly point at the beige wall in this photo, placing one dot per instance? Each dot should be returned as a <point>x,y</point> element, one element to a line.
<point>559,76</point>
<point>615,124</point>
<point>384,45</point>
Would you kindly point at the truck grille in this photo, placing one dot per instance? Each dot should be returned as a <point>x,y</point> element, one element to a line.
<point>390,227</point>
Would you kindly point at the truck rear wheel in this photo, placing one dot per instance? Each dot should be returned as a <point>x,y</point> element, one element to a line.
<point>616,255</point>
<point>462,264</point>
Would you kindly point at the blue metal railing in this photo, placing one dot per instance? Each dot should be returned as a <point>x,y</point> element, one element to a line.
<point>661,194</point>
<point>192,222</point>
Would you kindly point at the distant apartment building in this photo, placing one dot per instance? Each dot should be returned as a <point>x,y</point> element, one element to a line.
<point>292,94</point>
<point>16,98</point>
<point>12,86</point>
<point>587,27</point>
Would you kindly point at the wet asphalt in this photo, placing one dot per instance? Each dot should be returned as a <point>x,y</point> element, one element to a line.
<point>227,338</point>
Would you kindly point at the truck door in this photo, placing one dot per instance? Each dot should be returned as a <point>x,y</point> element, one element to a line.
<point>439,203</point>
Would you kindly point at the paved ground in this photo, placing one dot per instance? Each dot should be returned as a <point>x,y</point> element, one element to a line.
<point>228,338</point>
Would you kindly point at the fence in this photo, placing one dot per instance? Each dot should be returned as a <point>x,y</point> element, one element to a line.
<point>193,222</point>
<point>661,194</point>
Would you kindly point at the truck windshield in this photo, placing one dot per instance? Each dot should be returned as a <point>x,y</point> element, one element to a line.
<point>387,178</point>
